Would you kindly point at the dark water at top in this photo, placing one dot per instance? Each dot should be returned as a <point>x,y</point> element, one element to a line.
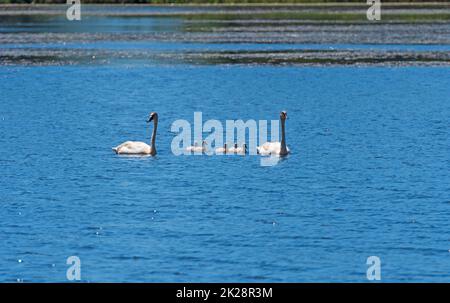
<point>41,35</point>
<point>368,174</point>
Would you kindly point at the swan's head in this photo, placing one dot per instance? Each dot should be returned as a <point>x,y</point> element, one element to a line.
<point>152,116</point>
<point>283,115</point>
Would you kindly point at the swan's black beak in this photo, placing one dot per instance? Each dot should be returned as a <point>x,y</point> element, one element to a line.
<point>150,119</point>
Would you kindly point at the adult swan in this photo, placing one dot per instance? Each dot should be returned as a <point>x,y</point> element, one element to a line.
<point>140,148</point>
<point>276,148</point>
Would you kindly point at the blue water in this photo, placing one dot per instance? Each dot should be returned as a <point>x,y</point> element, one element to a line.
<point>368,175</point>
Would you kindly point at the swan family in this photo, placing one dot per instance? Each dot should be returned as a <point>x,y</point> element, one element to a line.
<point>232,150</point>
<point>142,148</point>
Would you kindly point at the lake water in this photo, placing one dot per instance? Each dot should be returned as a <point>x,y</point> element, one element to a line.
<point>368,174</point>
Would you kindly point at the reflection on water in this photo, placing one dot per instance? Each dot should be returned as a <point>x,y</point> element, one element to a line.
<point>271,160</point>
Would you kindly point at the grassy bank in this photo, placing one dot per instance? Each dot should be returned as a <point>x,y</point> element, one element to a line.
<point>315,16</point>
<point>301,10</point>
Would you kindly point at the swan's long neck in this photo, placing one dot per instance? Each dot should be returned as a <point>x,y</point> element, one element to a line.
<point>283,136</point>
<point>152,145</point>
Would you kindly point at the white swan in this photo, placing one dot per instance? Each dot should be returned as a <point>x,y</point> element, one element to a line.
<point>222,150</point>
<point>140,148</point>
<point>196,148</point>
<point>232,149</point>
<point>276,148</point>
<point>241,150</point>
<point>238,150</point>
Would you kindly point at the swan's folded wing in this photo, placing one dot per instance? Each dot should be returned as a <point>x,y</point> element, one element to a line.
<point>127,149</point>
<point>119,147</point>
<point>269,148</point>
<point>132,147</point>
<point>123,144</point>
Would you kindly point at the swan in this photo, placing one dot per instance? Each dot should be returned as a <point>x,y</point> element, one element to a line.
<point>240,150</point>
<point>196,148</point>
<point>140,148</point>
<point>222,150</point>
<point>276,148</point>
<point>232,150</point>
<point>192,147</point>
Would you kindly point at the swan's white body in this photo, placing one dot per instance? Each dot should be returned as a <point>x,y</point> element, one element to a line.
<point>240,150</point>
<point>137,147</point>
<point>276,148</point>
<point>271,148</point>
<point>221,150</point>
<point>133,147</point>
<point>234,149</point>
<point>197,149</point>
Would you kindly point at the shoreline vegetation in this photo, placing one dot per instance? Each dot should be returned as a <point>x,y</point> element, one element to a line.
<point>301,10</point>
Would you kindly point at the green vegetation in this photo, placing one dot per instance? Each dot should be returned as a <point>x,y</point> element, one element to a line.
<point>323,16</point>
<point>329,13</point>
